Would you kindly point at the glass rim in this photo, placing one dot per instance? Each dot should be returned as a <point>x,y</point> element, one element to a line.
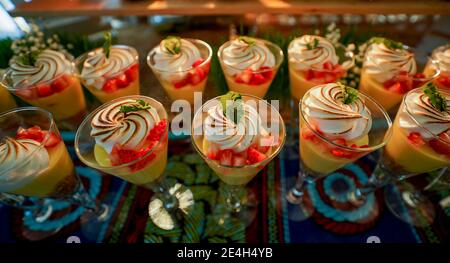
<point>101,107</point>
<point>408,112</point>
<point>386,138</point>
<point>41,144</point>
<point>199,41</point>
<point>81,58</point>
<point>273,155</point>
<point>267,43</point>
<point>349,57</point>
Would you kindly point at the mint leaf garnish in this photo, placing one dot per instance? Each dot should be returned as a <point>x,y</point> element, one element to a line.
<point>172,44</point>
<point>387,42</point>
<point>232,106</point>
<point>437,100</point>
<point>140,105</point>
<point>107,43</point>
<point>248,40</point>
<point>313,45</point>
<point>349,95</point>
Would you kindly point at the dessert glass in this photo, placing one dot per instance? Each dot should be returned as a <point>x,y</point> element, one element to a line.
<point>442,56</point>
<point>411,151</point>
<point>7,101</point>
<point>123,81</point>
<point>182,84</point>
<point>390,93</point>
<point>40,165</point>
<point>323,153</point>
<point>236,169</point>
<point>250,81</point>
<point>61,95</point>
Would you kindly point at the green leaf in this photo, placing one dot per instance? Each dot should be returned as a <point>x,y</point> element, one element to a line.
<point>248,40</point>
<point>437,100</point>
<point>313,45</point>
<point>387,42</point>
<point>232,106</point>
<point>349,95</point>
<point>107,44</point>
<point>172,44</point>
<point>139,105</point>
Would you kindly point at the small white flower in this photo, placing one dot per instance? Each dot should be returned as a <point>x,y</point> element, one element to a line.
<point>34,48</point>
<point>331,26</point>
<point>49,40</point>
<point>351,47</point>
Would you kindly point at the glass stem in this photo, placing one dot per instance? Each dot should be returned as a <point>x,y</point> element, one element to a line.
<point>82,198</point>
<point>295,195</point>
<point>233,197</point>
<point>378,179</point>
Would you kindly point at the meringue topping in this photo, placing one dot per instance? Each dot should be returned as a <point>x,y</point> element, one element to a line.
<point>325,108</point>
<point>19,160</point>
<point>384,63</point>
<point>110,126</point>
<point>311,51</point>
<point>97,65</point>
<point>166,61</point>
<point>420,107</point>
<point>49,64</point>
<point>230,135</point>
<point>242,54</point>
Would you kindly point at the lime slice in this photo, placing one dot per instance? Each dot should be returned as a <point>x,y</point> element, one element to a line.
<point>101,156</point>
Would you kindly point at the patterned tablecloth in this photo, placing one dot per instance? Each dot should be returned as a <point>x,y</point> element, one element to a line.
<point>274,221</point>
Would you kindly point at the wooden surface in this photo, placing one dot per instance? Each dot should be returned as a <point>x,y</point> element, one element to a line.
<point>225,7</point>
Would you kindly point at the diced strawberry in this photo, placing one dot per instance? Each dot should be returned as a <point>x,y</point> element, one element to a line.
<point>244,77</point>
<point>340,141</point>
<point>60,84</point>
<point>257,79</point>
<point>330,77</point>
<point>197,76</point>
<point>122,81</point>
<point>157,131</point>
<point>44,90</point>
<point>122,156</point>
<point>254,156</point>
<point>52,140</point>
<point>341,153</point>
<point>239,160</point>
<point>26,94</point>
<point>444,80</point>
<point>110,86</point>
<point>439,146</point>
<point>226,157</point>
<point>198,62</point>
<point>419,76</point>
<point>328,66</point>
<point>132,72</point>
<point>267,72</point>
<point>32,133</point>
<point>320,75</point>
<point>309,74</point>
<point>308,134</point>
<point>416,139</point>
<point>181,83</point>
<point>397,88</point>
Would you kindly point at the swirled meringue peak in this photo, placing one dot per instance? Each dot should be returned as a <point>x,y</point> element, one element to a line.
<point>311,51</point>
<point>175,54</point>
<point>233,133</point>
<point>247,53</point>
<point>326,110</point>
<point>48,64</point>
<point>425,111</point>
<point>98,65</point>
<point>126,123</point>
<point>442,55</point>
<point>385,59</point>
<point>20,159</point>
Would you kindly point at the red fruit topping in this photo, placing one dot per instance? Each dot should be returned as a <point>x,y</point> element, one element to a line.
<point>123,156</point>
<point>181,83</point>
<point>225,157</point>
<point>122,81</point>
<point>342,153</point>
<point>329,73</point>
<point>244,77</point>
<point>132,72</point>
<point>340,141</point>
<point>328,66</point>
<point>198,62</point>
<point>110,86</point>
<point>239,160</point>
<point>35,133</point>
<point>397,88</point>
<point>439,146</point>
<point>60,84</point>
<point>24,93</point>
<point>400,84</point>
<point>197,76</point>
<point>157,131</point>
<point>416,139</point>
<point>44,90</point>
<point>419,76</point>
<point>254,156</point>
<point>267,72</point>
<point>444,80</point>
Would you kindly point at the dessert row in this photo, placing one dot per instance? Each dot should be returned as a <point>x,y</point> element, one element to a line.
<point>52,80</point>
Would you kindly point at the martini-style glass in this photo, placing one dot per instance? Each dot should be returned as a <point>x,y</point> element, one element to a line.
<point>321,152</point>
<point>236,167</point>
